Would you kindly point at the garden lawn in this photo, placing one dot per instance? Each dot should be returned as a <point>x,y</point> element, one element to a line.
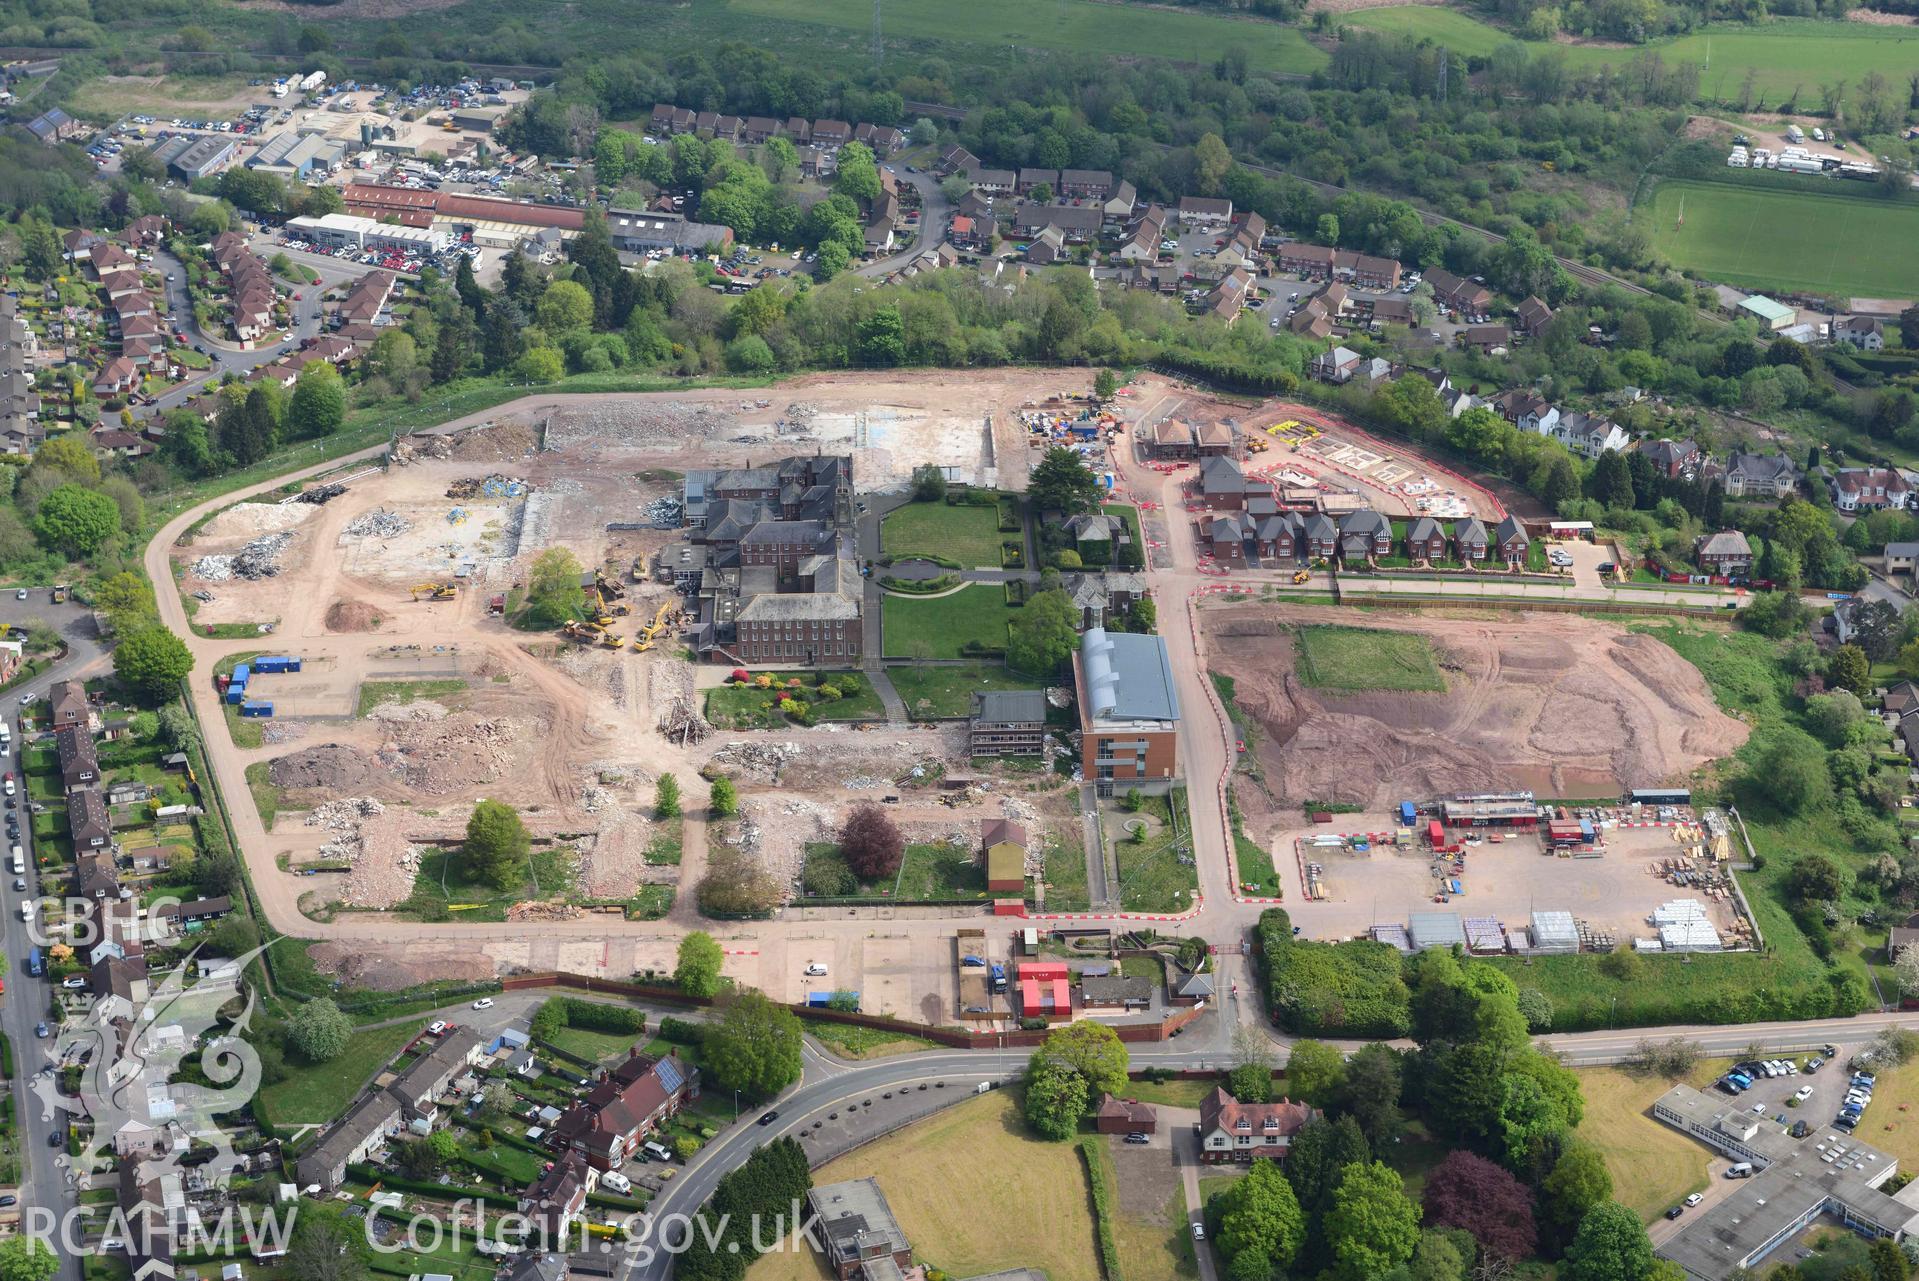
<point>1030,1182</point>
<point>443,890</point>
<point>934,693</point>
<point>1065,875</point>
<point>968,536</point>
<point>1653,1166</point>
<point>1820,240</point>
<point>1356,658</point>
<point>851,1041</point>
<point>940,627</point>
<point>594,1046</point>
<point>750,707</point>
<point>314,1095</point>
<point>1152,877</point>
<point>927,872</point>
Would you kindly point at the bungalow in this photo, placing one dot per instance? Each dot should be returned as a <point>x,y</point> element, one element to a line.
<point>1125,1116</point>
<point>1512,541</point>
<point>1205,211</point>
<point>1761,476</point>
<point>1115,992</point>
<point>1532,316</point>
<point>1726,552</point>
<point>1426,540</point>
<point>1363,535</point>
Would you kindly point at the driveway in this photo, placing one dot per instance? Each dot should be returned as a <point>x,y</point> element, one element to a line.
<point>1587,558</point>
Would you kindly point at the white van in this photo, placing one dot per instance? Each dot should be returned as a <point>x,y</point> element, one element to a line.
<point>19,862</point>
<point>617,1181</point>
<point>657,1152</point>
<point>26,909</point>
<point>1741,1171</point>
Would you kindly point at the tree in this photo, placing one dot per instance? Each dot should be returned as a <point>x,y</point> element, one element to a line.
<point>1467,1191</point>
<point>76,521</point>
<point>1775,614</point>
<point>496,845</point>
<point>1878,628</point>
<point>721,798</point>
<point>319,401</point>
<point>1906,968</point>
<point>564,308</point>
<point>1315,1072</point>
<point>1889,1263</point>
<point>698,970</point>
<point>1105,384</point>
<point>1259,1213</point>
<point>755,1047</point>
<point>1371,1228</point>
<point>1815,877</point>
<point>153,661</point>
<point>1578,1182</point>
<point>1250,1083</point>
<point>318,1031</point>
<point>1212,161</point>
<point>540,365</point>
<point>857,177</point>
<point>1056,1098</point>
<point>666,797</point>
<point>125,599</point>
<point>871,843</point>
<point>883,337</point>
<point>553,592</point>
<point>69,458</point>
<point>1611,481</point>
<point>1610,1245</point>
<point>1848,669</point>
<point>1371,1092</point>
<point>1042,635</point>
<point>929,483</point>
<point>1093,1050</point>
<point>1321,1152</point>
<point>1062,483</point>
<point>326,1245</point>
<point>1793,774</point>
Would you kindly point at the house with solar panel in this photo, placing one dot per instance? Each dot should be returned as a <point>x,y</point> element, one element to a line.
<point>626,1105</point>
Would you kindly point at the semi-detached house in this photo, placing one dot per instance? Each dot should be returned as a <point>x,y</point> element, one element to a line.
<point>628,1103</point>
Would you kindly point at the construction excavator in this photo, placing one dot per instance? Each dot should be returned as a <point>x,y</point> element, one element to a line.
<point>434,591</point>
<point>591,633</point>
<point>667,615</point>
<point>1300,576</point>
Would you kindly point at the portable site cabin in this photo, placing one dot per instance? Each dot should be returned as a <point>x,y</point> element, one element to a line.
<point>1407,814</point>
<point>1660,796</point>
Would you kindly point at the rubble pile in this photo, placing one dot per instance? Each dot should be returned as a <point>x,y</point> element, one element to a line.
<point>283,732</point>
<point>755,761</point>
<point>614,862</point>
<point>492,486</point>
<point>544,911</point>
<point>325,767</point>
<point>682,721</point>
<point>591,669</point>
<point>594,798</point>
<point>378,523</point>
<point>607,422</point>
<point>320,495</point>
<point>383,874</point>
<point>775,831</point>
<point>416,448</point>
<point>461,751</point>
<point>258,559</point>
<point>420,709</point>
<point>665,512</point>
<point>250,520</point>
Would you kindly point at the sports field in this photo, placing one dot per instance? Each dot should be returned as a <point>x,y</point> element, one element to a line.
<point>1786,55</point>
<point>1821,242</point>
<point>1081,26</point>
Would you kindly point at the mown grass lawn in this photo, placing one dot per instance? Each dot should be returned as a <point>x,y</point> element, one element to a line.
<point>934,693</point>
<point>1821,240</point>
<point>1358,658</point>
<point>1065,874</point>
<point>443,888</point>
<point>594,1046</point>
<point>1152,875</point>
<point>943,626</point>
<point>1653,1166</point>
<point>316,1094</point>
<point>968,536</point>
<point>927,872</point>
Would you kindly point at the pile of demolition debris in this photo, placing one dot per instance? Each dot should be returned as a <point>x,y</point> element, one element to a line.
<point>665,512</point>
<point>378,523</point>
<point>258,559</point>
<point>493,486</point>
<point>417,447</point>
<point>320,495</point>
<point>755,761</point>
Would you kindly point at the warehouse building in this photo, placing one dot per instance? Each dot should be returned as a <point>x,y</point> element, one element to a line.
<point>350,231</point>
<point>638,231</point>
<point>299,155</point>
<point>188,158</point>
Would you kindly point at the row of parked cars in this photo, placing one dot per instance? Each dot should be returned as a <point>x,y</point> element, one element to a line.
<point>1858,1099</point>
<point>1742,1075</point>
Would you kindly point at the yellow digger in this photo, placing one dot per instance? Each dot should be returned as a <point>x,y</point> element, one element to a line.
<point>1300,576</point>
<point>665,617</point>
<point>434,591</point>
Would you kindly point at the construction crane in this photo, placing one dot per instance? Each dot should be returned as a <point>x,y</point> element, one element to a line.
<point>434,591</point>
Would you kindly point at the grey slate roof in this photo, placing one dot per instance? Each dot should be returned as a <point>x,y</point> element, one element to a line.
<point>1010,706</point>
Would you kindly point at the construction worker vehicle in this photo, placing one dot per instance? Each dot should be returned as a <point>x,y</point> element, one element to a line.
<point>1300,576</point>
<point>434,591</point>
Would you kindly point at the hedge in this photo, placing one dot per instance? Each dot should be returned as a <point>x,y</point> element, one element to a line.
<point>438,1191</point>
<point>597,1016</point>
<point>1092,1150</point>
<point>681,1031</point>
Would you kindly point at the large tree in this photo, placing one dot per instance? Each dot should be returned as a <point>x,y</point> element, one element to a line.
<point>1372,1227</point>
<point>755,1047</point>
<point>496,845</point>
<point>25,1258</point>
<point>871,843</point>
<point>553,592</point>
<point>1578,1182</point>
<point>1259,1213</point>
<point>318,406</point>
<point>700,959</point>
<point>1315,1072</point>
<point>1371,1090</point>
<point>1611,1245</point>
<point>1470,1192</point>
<point>318,1031</point>
<point>1062,483</point>
<point>152,660</point>
<point>1056,1098</point>
<point>1091,1049</point>
<point>326,1245</point>
<point>1041,636</point>
<point>75,521</point>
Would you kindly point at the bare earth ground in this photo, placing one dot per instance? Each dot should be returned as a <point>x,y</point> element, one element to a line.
<point>1561,705</point>
<point>567,735</point>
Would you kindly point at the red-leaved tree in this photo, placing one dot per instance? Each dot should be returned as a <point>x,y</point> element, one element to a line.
<point>871,843</point>
<point>1470,1192</point>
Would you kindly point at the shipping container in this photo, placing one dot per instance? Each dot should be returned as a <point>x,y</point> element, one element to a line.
<point>256,709</point>
<point>236,694</point>
<point>1435,833</point>
<point>1407,814</point>
<point>276,663</point>
<point>242,673</point>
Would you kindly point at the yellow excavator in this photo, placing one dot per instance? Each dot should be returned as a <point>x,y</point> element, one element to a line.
<point>434,591</point>
<point>667,615</point>
<point>1300,576</point>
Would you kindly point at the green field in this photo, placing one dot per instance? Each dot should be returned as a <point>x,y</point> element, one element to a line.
<point>750,707</point>
<point>1355,658</point>
<point>1820,242</point>
<point>932,692</point>
<point>927,873</point>
<point>316,1094</point>
<point>1080,26</point>
<point>939,627</point>
<point>967,536</point>
<point>1787,55</point>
